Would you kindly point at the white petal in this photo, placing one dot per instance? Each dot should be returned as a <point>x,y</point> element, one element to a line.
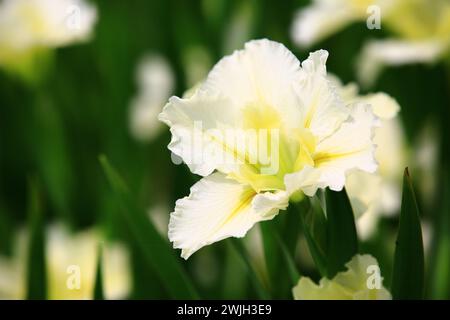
<point>350,147</point>
<point>190,121</point>
<point>319,21</point>
<point>144,124</point>
<point>322,109</point>
<point>307,180</point>
<point>352,284</point>
<point>263,72</point>
<point>377,54</point>
<point>383,105</point>
<point>217,208</point>
<point>268,204</point>
<point>363,198</point>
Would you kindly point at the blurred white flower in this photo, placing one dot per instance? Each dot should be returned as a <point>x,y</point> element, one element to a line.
<point>28,27</point>
<point>316,138</point>
<point>426,168</point>
<point>159,215</point>
<point>421,30</point>
<point>156,83</point>
<point>80,250</point>
<point>361,281</point>
<point>322,18</point>
<point>68,256</point>
<point>379,193</point>
<point>376,54</point>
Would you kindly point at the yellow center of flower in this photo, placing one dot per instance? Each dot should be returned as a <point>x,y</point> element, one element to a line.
<point>279,151</point>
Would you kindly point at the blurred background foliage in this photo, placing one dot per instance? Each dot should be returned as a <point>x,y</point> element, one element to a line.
<point>54,131</point>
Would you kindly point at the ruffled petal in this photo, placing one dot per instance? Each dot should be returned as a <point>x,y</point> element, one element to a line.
<point>195,124</point>
<point>262,73</point>
<point>322,108</point>
<point>217,208</point>
<point>350,147</point>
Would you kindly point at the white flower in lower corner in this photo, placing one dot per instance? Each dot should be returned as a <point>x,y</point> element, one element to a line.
<point>156,82</point>
<point>361,281</point>
<point>69,255</point>
<point>376,194</point>
<point>71,261</point>
<point>261,94</point>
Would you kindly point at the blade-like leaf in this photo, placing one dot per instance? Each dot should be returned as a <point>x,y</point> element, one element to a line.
<point>157,252</point>
<point>272,254</point>
<point>279,242</point>
<point>98,286</point>
<point>307,221</point>
<point>408,274</point>
<point>440,260</point>
<point>289,262</point>
<point>36,266</point>
<point>342,241</point>
<point>257,283</point>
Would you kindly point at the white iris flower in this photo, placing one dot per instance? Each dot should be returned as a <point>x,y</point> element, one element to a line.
<point>292,111</point>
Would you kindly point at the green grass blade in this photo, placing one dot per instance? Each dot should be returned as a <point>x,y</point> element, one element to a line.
<point>408,274</point>
<point>439,275</point>
<point>271,253</point>
<point>98,286</point>
<point>158,253</point>
<point>342,240</point>
<point>36,266</point>
<point>307,216</point>
<point>260,288</point>
<point>289,262</point>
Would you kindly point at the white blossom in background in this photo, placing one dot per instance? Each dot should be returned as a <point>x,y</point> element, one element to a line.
<point>421,34</point>
<point>420,31</point>
<point>373,195</point>
<point>159,215</point>
<point>71,261</point>
<point>28,27</point>
<point>155,81</point>
<point>361,281</point>
<point>80,249</point>
<point>426,156</point>
<point>323,18</point>
<point>262,87</point>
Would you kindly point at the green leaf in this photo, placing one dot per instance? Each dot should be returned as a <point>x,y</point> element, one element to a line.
<point>408,273</point>
<point>278,251</point>
<point>98,286</point>
<point>260,287</point>
<point>36,266</point>
<point>271,253</point>
<point>308,216</point>
<point>157,252</point>
<point>439,277</point>
<point>342,240</point>
<point>289,262</point>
